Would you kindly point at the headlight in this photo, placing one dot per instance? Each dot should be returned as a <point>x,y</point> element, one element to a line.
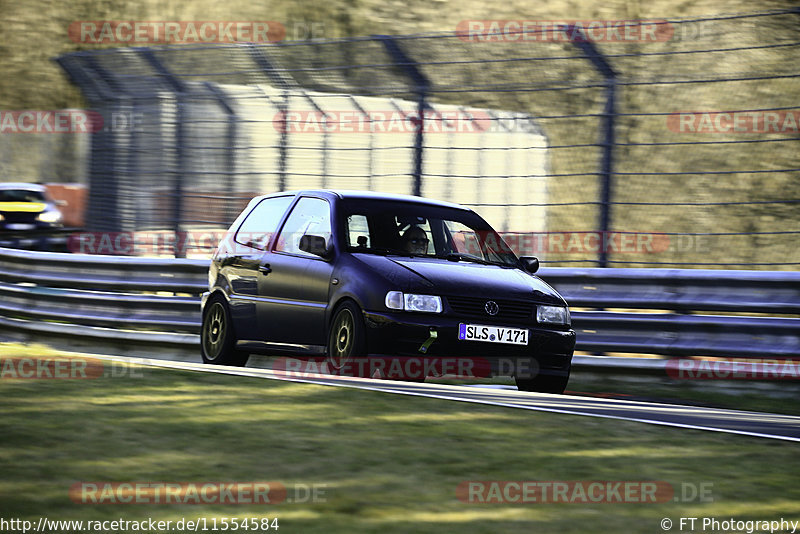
<point>50,216</point>
<point>552,315</point>
<point>423,303</point>
<point>397,300</point>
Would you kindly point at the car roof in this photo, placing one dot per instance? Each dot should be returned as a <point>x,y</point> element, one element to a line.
<point>371,195</point>
<point>20,185</point>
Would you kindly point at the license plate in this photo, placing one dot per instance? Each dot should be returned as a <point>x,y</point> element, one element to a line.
<point>492,334</point>
<point>20,226</point>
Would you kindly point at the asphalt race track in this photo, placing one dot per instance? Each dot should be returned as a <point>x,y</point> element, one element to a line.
<point>757,424</point>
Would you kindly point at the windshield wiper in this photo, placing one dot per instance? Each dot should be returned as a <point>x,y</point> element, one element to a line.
<point>382,251</point>
<point>461,256</point>
<point>452,256</point>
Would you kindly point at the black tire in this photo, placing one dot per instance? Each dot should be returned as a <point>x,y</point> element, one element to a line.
<point>346,341</point>
<point>543,383</point>
<point>217,337</point>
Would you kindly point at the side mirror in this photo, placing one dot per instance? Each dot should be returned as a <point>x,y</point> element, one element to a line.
<point>529,263</point>
<point>315,244</point>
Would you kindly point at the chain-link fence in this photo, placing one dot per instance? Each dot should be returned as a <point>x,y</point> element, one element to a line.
<point>626,143</point>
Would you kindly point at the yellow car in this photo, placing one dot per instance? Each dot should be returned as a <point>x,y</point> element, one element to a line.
<point>27,207</point>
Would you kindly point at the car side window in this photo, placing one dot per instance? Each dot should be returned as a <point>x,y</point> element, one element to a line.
<point>262,223</point>
<point>311,216</point>
<point>358,231</point>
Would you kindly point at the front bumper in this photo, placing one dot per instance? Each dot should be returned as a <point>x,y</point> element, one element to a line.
<point>549,351</point>
<point>32,225</point>
<point>48,239</point>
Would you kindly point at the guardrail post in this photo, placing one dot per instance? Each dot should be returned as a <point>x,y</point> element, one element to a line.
<point>421,86</point>
<point>607,131</point>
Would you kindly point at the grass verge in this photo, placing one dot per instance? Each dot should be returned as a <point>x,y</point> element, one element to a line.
<point>388,463</point>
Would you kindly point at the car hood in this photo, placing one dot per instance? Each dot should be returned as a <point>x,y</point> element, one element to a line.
<point>446,277</point>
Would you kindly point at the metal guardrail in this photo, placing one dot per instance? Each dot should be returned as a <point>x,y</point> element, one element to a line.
<point>684,312</point>
<point>681,290</point>
<point>149,302</point>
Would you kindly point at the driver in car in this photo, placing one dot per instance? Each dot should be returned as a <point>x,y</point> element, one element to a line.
<point>415,240</point>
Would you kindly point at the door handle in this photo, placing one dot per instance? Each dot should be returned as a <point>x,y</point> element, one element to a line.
<point>264,268</point>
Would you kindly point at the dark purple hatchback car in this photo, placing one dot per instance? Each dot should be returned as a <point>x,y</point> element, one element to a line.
<point>341,275</point>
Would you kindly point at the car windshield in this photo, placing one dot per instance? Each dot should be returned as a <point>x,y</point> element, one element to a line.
<point>408,229</point>
<point>21,195</point>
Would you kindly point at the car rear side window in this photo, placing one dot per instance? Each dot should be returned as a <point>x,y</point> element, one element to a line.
<point>311,216</point>
<point>262,223</point>
<point>358,231</point>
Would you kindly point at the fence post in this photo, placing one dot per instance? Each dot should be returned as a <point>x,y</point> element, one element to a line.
<point>421,85</point>
<point>180,144</point>
<point>104,91</point>
<point>285,82</point>
<point>324,118</point>
<point>370,151</point>
<point>230,141</point>
<point>606,129</point>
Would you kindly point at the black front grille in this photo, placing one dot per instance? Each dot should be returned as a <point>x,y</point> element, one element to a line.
<point>476,307</point>
<point>19,216</point>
